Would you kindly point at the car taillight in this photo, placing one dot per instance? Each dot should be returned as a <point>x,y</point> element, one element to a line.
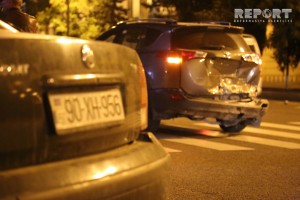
<point>172,59</point>
<point>144,99</point>
<point>179,56</point>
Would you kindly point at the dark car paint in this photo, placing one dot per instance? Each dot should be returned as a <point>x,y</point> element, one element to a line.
<point>36,162</point>
<point>133,171</point>
<point>25,103</point>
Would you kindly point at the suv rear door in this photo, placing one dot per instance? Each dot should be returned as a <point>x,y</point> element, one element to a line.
<point>217,60</point>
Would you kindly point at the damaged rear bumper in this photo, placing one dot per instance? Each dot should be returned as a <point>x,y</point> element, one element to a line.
<point>250,111</point>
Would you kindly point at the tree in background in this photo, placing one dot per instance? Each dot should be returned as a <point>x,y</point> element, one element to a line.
<point>285,39</point>
<point>161,10</point>
<point>32,7</point>
<point>110,12</point>
<point>53,20</point>
<point>87,18</point>
<point>185,9</point>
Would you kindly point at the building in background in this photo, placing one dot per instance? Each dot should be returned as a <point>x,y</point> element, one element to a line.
<point>135,8</point>
<point>154,10</point>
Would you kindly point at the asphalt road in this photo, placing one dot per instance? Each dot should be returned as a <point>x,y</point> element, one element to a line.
<point>259,163</point>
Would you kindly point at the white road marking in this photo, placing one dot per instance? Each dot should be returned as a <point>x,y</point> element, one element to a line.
<point>261,131</point>
<point>280,126</point>
<point>170,150</point>
<point>283,134</point>
<point>264,141</point>
<point>286,132</point>
<point>295,123</point>
<point>207,144</point>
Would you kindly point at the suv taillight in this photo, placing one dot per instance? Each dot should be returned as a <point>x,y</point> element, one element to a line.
<point>179,56</point>
<point>144,99</point>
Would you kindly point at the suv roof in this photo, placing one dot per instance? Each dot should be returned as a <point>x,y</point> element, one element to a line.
<point>174,23</point>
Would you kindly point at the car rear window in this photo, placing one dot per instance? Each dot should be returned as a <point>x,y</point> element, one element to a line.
<point>205,39</point>
<point>252,48</point>
<point>138,37</point>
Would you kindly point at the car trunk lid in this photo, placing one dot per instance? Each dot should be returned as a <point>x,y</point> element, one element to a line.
<point>51,97</point>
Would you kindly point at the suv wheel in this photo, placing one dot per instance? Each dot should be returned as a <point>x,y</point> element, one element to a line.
<point>232,128</point>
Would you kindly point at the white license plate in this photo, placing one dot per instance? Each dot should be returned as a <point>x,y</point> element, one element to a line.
<point>72,111</point>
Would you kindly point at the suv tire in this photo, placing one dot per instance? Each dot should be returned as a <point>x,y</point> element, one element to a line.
<point>233,128</point>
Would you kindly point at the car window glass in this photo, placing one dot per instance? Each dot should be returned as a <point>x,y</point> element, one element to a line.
<point>252,48</point>
<point>110,38</point>
<point>207,40</point>
<point>131,37</point>
<point>138,38</point>
<point>241,43</point>
<point>151,36</point>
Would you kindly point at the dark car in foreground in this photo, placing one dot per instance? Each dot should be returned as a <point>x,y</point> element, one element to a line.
<point>71,119</point>
<point>195,70</point>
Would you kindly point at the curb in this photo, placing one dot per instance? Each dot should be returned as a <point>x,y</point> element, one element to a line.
<point>280,94</point>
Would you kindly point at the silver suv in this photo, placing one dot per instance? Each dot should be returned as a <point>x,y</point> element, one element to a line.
<point>195,70</point>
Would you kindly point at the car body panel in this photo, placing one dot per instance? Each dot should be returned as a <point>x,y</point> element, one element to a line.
<point>223,50</point>
<point>175,103</point>
<point>201,77</point>
<point>61,71</point>
<point>252,43</point>
<point>44,79</point>
<point>7,27</point>
<point>134,170</point>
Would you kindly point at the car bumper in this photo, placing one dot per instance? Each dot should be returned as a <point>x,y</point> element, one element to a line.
<point>204,107</point>
<point>136,171</point>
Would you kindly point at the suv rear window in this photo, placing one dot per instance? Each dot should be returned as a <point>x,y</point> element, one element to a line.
<point>137,37</point>
<point>200,38</point>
